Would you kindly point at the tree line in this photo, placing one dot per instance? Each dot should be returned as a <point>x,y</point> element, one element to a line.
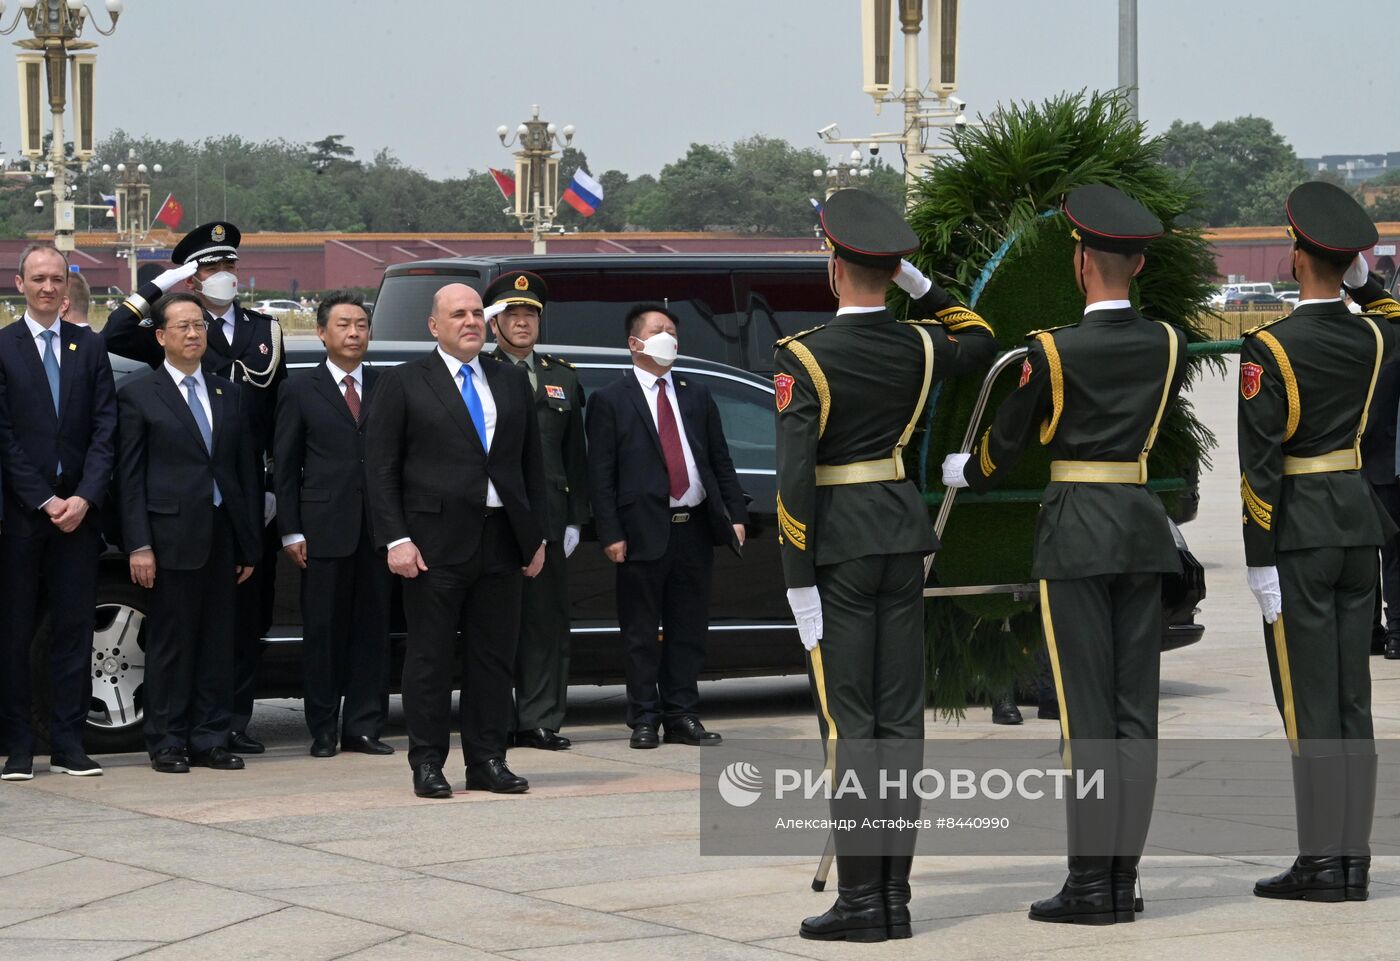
<point>1242,168</point>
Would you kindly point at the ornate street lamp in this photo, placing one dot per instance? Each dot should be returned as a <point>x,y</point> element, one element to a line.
<point>133,206</point>
<point>536,172</point>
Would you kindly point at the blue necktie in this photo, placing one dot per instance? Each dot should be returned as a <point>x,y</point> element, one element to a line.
<point>473,401</point>
<point>51,365</point>
<point>202,422</point>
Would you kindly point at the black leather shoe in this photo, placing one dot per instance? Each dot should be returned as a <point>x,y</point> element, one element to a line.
<point>364,744</point>
<point>170,760</point>
<point>1005,711</point>
<point>1392,648</point>
<point>240,743</point>
<point>644,737</point>
<point>542,739</point>
<point>19,767</point>
<point>689,730</point>
<point>859,911</point>
<point>494,776</point>
<point>1309,879</point>
<point>77,764</point>
<point>1049,711</point>
<point>217,759</point>
<point>1358,877</point>
<point>1085,898</point>
<point>323,745</point>
<point>429,782</point>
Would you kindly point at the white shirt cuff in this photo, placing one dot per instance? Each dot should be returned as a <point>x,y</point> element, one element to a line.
<point>290,539</point>
<point>401,540</point>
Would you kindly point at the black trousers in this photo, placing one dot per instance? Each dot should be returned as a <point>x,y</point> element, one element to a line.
<point>663,610</point>
<point>345,651</point>
<point>251,622</point>
<point>189,649</point>
<point>1319,649</point>
<point>542,656</point>
<point>482,597</point>
<point>60,569</point>
<point>1389,589</point>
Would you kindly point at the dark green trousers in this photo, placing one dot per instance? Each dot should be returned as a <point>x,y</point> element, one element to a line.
<point>542,656</point>
<point>1319,649</point>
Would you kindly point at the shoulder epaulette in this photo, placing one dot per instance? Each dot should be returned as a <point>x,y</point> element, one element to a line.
<point>954,319</point>
<point>496,354</point>
<point>1387,308</point>
<point>801,333</point>
<point>1265,325</point>
<point>1048,330</point>
<point>258,313</point>
<point>560,361</point>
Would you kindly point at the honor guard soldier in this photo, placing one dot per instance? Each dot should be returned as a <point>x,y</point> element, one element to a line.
<point>514,305</point>
<point>1312,526</point>
<point>245,347</point>
<point>1094,393</point>
<point>854,530</point>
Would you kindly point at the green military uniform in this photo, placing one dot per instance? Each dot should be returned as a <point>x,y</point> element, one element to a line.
<point>849,395</point>
<point>542,655</point>
<point>1305,387</point>
<point>1094,393</point>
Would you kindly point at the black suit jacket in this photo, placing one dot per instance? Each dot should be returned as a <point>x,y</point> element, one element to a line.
<point>257,343</point>
<point>428,469</point>
<point>34,441</point>
<point>319,450</point>
<point>167,477</point>
<point>627,472</point>
<point>1378,443</point>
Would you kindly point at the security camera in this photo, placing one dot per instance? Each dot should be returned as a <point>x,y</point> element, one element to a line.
<point>873,148</point>
<point>829,131</point>
<point>960,121</point>
<point>958,104</point>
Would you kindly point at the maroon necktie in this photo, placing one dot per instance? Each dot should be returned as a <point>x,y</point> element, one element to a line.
<point>352,399</point>
<point>671,443</point>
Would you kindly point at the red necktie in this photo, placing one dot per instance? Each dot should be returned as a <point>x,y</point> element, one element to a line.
<point>352,399</point>
<point>671,443</point>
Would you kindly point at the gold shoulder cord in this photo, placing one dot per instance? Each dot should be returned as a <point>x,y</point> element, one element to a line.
<point>1162,405</point>
<point>919,407</point>
<point>1057,386</point>
<point>814,370</point>
<point>1371,390</point>
<point>1290,381</point>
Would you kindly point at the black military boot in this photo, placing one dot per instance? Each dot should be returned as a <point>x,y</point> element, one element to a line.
<point>1134,817</point>
<point>859,911</point>
<point>897,920</point>
<point>1356,825</point>
<point>1087,895</point>
<point>1317,874</point>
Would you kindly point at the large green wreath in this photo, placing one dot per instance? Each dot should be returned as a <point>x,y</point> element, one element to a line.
<point>989,223</point>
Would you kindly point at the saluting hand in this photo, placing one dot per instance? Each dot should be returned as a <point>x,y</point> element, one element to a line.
<point>143,568</point>
<point>405,561</point>
<point>536,563</point>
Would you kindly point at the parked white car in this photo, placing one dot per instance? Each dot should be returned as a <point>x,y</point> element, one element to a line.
<point>277,308</point>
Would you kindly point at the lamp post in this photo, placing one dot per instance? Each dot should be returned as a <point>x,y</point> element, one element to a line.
<point>536,172</point>
<point>133,206</point>
<point>839,177</point>
<point>49,56</point>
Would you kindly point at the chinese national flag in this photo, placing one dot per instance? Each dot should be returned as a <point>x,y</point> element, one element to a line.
<point>170,213</point>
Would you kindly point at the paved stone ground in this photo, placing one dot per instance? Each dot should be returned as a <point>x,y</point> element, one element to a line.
<point>301,859</point>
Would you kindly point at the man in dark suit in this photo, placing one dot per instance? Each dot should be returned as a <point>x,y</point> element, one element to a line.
<point>58,421</point>
<point>514,301</point>
<point>245,347</point>
<point>191,517</point>
<point>324,520</point>
<point>664,494</point>
<point>456,484</point>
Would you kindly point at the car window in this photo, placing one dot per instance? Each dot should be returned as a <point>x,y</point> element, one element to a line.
<point>775,304</point>
<point>404,301</point>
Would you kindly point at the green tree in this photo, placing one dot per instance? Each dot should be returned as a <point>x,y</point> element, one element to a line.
<point>697,192</point>
<point>1243,168</point>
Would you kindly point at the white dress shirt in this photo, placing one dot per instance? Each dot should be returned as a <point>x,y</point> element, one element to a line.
<point>1108,305</point>
<point>229,321</point>
<point>858,310</point>
<point>338,377</point>
<point>201,390</point>
<point>37,333</point>
<point>695,493</point>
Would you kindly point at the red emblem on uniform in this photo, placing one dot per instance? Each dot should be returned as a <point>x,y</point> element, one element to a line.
<point>1025,372</point>
<point>262,349</point>
<point>1250,376</point>
<point>782,388</point>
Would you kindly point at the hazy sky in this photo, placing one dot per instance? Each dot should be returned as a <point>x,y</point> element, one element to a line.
<point>642,79</point>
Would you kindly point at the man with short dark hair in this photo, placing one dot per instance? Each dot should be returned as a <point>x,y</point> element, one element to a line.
<point>58,420</point>
<point>78,301</point>
<point>191,513</point>
<point>325,524</point>
<point>664,494</point>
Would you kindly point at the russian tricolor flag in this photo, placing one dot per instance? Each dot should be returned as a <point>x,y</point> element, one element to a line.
<point>584,194</point>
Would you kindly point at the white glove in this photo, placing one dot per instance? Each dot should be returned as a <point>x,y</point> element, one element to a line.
<point>1357,274</point>
<point>269,507</point>
<point>167,281</point>
<point>911,280</point>
<point>1263,581</point>
<point>571,535</point>
<point>495,310</point>
<point>806,606</point>
<point>953,466</point>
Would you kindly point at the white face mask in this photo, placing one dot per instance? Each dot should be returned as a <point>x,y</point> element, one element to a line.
<point>220,288</point>
<point>661,348</point>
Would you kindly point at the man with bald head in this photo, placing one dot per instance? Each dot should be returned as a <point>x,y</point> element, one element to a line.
<point>456,488</point>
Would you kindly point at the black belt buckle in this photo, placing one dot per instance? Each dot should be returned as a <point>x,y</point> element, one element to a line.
<point>680,517</point>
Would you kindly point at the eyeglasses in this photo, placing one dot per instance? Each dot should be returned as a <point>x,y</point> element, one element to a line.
<point>200,325</point>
